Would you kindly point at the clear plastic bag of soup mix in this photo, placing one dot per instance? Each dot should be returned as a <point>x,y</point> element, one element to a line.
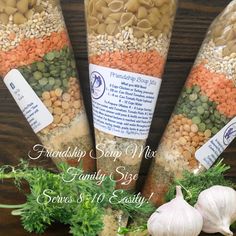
<point>38,67</point>
<point>202,124</point>
<point>128,41</point>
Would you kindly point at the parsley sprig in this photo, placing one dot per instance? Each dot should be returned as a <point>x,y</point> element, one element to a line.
<point>82,213</point>
<point>193,185</point>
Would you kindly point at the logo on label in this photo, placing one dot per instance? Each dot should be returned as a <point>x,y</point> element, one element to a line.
<point>12,85</point>
<point>98,85</point>
<point>230,134</point>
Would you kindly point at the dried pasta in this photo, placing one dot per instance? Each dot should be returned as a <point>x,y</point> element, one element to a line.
<point>132,5</point>
<point>116,6</point>
<point>126,19</point>
<point>144,25</point>
<point>129,13</point>
<point>142,12</point>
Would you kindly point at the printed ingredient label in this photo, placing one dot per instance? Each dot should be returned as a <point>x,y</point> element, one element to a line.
<point>30,104</point>
<point>123,102</point>
<point>212,149</point>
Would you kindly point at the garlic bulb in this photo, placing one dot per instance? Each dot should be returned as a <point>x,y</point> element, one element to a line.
<point>217,206</point>
<point>175,218</point>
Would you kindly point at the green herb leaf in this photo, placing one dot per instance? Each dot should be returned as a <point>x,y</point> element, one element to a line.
<point>53,199</point>
<point>193,184</point>
<point>134,229</point>
<point>233,226</point>
<point>87,220</point>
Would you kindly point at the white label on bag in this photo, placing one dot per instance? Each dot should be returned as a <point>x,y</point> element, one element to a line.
<point>123,102</point>
<point>30,104</point>
<point>211,150</point>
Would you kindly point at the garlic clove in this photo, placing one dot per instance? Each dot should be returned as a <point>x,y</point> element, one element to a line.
<point>217,206</point>
<point>225,231</point>
<point>175,218</point>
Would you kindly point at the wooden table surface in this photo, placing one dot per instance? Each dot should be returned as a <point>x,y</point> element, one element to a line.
<point>16,137</point>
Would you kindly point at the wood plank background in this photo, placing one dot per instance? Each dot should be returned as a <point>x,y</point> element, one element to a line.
<point>16,137</point>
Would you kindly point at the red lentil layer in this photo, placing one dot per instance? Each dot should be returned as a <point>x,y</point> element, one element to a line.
<point>217,87</point>
<point>147,63</point>
<point>31,50</point>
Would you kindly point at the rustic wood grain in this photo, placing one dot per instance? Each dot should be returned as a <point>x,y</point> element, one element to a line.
<point>16,137</point>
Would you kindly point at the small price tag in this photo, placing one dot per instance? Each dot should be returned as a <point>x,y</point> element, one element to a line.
<point>30,104</point>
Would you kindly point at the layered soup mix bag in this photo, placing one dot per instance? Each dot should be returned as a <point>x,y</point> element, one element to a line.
<point>38,67</point>
<point>202,124</point>
<point>128,41</point>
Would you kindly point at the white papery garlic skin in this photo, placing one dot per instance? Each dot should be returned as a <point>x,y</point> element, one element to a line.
<point>217,206</point>
<point>176,218</point>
